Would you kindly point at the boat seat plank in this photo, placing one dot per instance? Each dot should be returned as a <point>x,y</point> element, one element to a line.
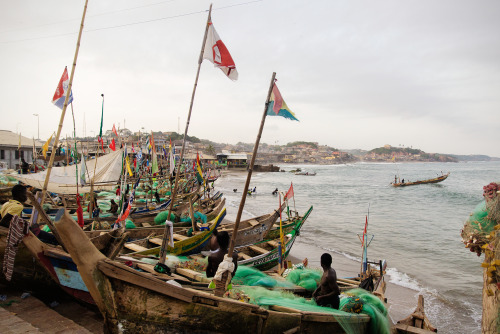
<point>273,243</point>
<point>146,224</point>
<point>244,256</point>
<point>156,241</point>
<point>134,247</point>
<point>258,249</point>
<point>179,237</point>
<point>253,222</point>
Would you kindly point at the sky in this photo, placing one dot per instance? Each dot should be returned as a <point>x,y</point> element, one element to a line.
<point>357,74</point>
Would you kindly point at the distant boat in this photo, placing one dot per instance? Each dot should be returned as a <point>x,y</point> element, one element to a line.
<point>306,173</point>
<point>434,180</point>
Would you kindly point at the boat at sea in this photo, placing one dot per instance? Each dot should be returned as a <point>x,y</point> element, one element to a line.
<point>413,183</point>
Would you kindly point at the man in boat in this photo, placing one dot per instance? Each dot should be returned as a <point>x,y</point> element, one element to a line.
<point>219,247</point>
<point>114,206</point>
<point>24,166</point>
<point>275,192</point>
<point>15,207</point>
<point>328,291</point>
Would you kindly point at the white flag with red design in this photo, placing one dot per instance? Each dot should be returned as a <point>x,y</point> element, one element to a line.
<point>217,53</point>
<point>62,90</point>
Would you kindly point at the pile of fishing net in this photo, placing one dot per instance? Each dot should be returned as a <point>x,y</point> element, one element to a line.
<point>353,301</point>
<point>480,226</point>
<point>7,181</point>
<point>163,216</point>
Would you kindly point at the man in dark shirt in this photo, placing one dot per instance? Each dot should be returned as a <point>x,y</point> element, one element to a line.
<point>327,293</point>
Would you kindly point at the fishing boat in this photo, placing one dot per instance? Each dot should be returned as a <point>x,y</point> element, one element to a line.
<point>264,255</point>
<point>415,323</point>
<point>142,301</point>
<point>434,180</point>
<point>306,173</point>
<point>183,243</point>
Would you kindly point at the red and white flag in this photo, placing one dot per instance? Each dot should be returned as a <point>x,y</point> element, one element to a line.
<point>289,193</point>
<point>61,90</point>
<point>217,53</point>
<point>114,130</point>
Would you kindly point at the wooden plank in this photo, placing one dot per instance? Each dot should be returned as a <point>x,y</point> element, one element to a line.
<point>253,222</point>
<point>193,275</point>
<point>273,243</point>
<point>244,256</point>
<point>284,309</point>
<point>179,237</point>
<point>156,241</point>
<point>146,225</point>
<point>258,249</point>
<point>134,247</point>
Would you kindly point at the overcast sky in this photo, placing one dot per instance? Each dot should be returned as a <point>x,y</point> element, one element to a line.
<point>357,74</point>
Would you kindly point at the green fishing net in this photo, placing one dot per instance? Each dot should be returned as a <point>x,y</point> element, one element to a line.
<point>162,217</point>
<point>306,278</point>
<point>129,224</point>
<point>252,277</point>
<point>366,304</point>
<point>479,221</point>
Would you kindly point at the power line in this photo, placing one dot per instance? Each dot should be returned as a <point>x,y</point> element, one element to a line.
<point>128,24</point>
<point>78,19</point>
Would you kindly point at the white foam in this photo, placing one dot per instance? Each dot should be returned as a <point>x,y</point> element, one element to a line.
<point>402,279</point>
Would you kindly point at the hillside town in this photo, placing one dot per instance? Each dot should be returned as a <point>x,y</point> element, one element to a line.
<point>14,146</point>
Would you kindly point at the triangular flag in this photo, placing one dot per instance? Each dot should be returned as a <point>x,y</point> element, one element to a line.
<point>114,130</point>
<point>61,90</point>
<point>289,193</point>
<point>45,147</point>
<point>278,107</point>
<point>217,53</point>
<point>112,146</point>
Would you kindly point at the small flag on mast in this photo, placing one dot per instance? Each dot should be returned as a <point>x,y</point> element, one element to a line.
<point>45,147</point>
<point>61,91</point>
<point>278,107</point>
<point>215,51</point>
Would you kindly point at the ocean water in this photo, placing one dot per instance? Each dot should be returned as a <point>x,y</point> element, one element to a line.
<point>416,229</point>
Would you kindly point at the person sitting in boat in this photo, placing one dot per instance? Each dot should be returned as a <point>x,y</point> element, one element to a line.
<point>403,181</point>
<point>275,192</point>
<point>219,246</point>
<point>328,291</point>
<point>114,206</point>
<point>14,207</point>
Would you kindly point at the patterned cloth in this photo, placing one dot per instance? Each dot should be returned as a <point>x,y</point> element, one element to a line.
<point>17,230</point>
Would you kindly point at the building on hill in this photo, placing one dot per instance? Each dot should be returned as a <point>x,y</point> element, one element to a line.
<point>11,153</point>
<point>232,160</point>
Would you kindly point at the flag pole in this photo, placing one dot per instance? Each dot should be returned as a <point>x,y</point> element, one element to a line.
<point>220,291</point>
<point>163,250</point>
<point>65,106</point>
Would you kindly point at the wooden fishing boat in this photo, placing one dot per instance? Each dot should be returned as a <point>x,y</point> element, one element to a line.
<point>286,225</point>
<point>183,244</point>
<point>142,301</point>
<point>434,180</point>
<point>264,255</point>
<point>306,173</point>
<point>415,323</point>
<point>254,229</point>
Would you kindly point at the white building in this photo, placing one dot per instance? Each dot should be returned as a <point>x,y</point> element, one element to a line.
<point>10,155</point>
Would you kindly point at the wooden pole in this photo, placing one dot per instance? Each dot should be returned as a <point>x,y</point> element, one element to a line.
<point>250,168</point>
<point>221,285</point>
<point>163,250</point>
<point>65,106</point>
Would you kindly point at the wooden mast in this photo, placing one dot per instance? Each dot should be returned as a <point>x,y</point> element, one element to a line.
<point>219,291</point>
<point>65,106</point>
<point>163,250</point>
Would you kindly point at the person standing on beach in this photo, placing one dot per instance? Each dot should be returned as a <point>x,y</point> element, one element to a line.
<point>328,291</point>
